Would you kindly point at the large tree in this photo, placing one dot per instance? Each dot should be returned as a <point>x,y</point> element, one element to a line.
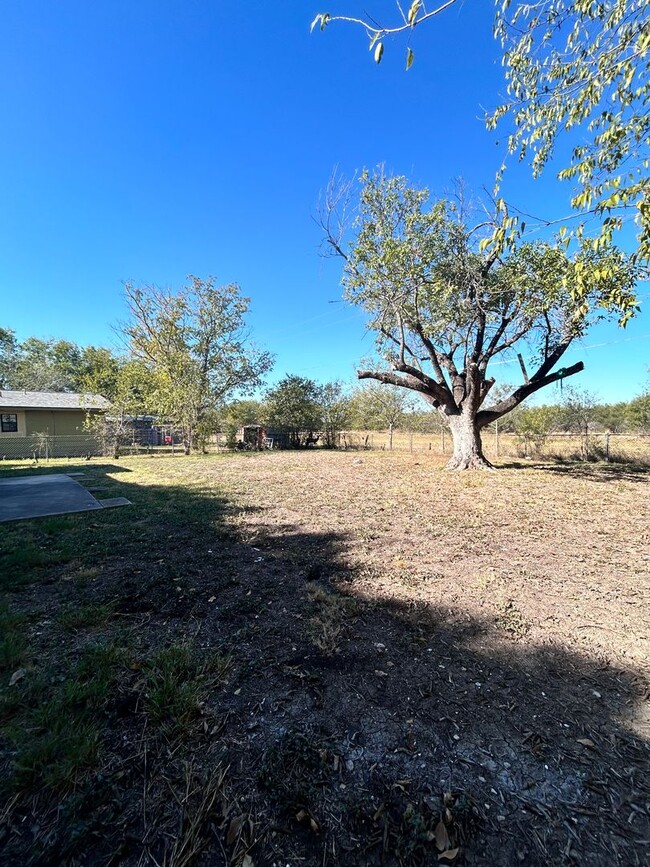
<point>442,307</point>
<point>294,405</point>
<point>99,371</point>
<point>196,347</point>
<point>44,365</point>
<point>578,72</point>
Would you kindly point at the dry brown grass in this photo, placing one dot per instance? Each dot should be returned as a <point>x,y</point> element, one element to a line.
<point>568,547</point>
<point>624,447</point>
<point>402,663</point>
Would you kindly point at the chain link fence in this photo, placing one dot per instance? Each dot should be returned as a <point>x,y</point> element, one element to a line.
<point>615,447</point>
<point>94,443</point>
<point>44,447</point>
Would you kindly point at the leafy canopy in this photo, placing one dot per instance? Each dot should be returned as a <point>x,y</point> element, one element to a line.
<point>442,308</point>
<point>196,347</point>
<point>581,69</point>
<point>576,70</point>
<point>294,404</point>
<point>56,365</point>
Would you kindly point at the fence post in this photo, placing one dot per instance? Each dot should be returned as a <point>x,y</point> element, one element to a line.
<point>496,436</point>
<point>607,446</point>
<point>390,437</point>
<point>411,442</point>
<point>443,440</point>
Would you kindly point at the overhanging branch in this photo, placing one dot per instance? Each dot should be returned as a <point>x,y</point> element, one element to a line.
<point>505,406</point>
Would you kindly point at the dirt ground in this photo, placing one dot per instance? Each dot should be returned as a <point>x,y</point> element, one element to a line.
<point>418,667</point>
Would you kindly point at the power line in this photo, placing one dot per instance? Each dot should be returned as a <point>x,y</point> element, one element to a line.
<point>585,348</point>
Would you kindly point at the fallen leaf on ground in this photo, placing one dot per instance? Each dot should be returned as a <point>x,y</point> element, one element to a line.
<point>442,837</point>
<point>234,828</point>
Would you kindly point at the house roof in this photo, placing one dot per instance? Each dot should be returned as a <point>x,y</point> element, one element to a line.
<point>51,400</point>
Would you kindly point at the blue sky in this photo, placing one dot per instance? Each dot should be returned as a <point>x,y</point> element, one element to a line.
<point>149,140</point>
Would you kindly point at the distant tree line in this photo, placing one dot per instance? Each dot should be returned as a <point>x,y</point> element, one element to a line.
<point>306,409</point>
<point>580,412</point>
<point>188,361</point>
<point>55,365</point>
<point>309,412</point>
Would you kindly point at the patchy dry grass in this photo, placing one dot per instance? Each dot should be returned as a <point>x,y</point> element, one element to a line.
<point>329,658</point>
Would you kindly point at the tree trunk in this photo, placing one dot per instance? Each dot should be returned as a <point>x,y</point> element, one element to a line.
<point>187,440</point>
<point>468,448</point>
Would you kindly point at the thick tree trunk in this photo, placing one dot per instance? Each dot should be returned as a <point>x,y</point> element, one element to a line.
<point>468,448</point>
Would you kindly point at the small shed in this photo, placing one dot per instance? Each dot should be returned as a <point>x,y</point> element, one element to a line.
<point>257,436</point>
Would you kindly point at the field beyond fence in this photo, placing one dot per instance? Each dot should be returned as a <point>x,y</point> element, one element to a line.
<point>622,448</point>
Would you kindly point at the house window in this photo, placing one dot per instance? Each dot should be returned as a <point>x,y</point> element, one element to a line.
<point>8,423</point>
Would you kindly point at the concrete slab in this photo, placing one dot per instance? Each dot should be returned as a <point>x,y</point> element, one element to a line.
<point>36,496</point>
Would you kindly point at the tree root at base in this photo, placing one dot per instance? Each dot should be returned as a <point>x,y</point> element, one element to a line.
<point>472,462</point>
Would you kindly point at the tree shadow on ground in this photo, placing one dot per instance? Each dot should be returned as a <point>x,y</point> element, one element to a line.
<point>348,730</point>
<point>597,472</point>
<point>20,469</point>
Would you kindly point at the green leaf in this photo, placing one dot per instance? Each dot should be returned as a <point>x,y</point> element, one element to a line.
<point>409,58</point>
<point>379,51</point>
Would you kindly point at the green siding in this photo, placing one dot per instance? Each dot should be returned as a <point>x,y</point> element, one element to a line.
<point>55,423</point>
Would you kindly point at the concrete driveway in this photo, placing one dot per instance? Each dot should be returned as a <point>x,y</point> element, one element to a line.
<point>36,496</point>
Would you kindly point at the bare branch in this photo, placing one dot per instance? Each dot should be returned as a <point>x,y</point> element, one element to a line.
<point>375,30</point>
<point>333,214</point>
<point>505,406</point>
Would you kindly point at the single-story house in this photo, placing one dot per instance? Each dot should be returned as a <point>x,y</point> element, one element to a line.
<point>60,417</point>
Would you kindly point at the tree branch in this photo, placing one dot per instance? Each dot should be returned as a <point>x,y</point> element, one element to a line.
<point>432,352</point>
<point>505,406</point>
<point>413,379</point>
<point>375,30</point>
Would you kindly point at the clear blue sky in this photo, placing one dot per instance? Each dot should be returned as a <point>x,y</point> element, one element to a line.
<point>150,139</point>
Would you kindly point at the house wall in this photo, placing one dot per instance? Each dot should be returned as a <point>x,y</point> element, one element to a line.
<point>55,423</point>
<point>64,430</point>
